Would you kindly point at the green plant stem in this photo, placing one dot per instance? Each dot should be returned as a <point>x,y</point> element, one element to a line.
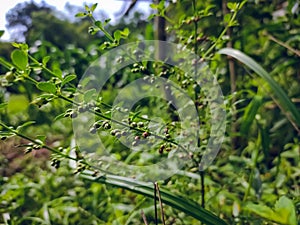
<point>6,64</point>
<point>272,38</point>
<point>254,165</point>
<point>53,150</point>
<point>128,126</point>
<point>202,176</point>
<point>59,95</point>
<point>102,115</point>
<point>160,204</point>
<point>97,113</point>
<point>42,66</point>
<point>220,36</point>
<point>144,217</point>
<point>201,173</point>
<point>107,34</point>
<point>138,187</point>
<point>155,205</point>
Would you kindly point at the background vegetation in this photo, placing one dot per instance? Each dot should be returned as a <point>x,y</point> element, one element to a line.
<point>253,180</point>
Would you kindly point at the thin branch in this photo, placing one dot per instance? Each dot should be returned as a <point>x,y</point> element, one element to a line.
<point>201,173</point>
<point>202,189</point>
<point>232,75</point>
<point>144,217</point>
<point>272,38</point>
<point>160,204</point>
<point>155,206</point>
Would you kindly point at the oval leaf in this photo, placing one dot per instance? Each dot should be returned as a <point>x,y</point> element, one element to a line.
<point>81,14</point>
<point>94,6</point>
<point>68,79</point>
<point>47,87</point>
<point>19,59</point>
<point>45,60</point>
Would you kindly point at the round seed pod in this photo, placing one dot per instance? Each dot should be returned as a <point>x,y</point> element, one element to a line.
<point>93,130</point>
<point>145,134</point>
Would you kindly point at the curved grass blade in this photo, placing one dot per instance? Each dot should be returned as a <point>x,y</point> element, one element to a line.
<point>284,100</point>
<point>250,113</point>
<point>187,206</point>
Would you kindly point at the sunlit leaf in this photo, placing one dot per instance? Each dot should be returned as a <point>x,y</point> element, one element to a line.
<point>93,7</point>
<point>81,14</point>
<point>19,59</point>
<point>283,213</point>
<point>47,87</point>
<point>68,79</point>
<point>46,60</point>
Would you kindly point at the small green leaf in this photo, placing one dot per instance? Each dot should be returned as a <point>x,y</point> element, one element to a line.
<point>285,211</point>
<point>241,4</point>
<point>250,113</point>
<point>25,125</point>
<point>153,6</point>
<point>89,95</point>
<point>19,59</point>
<point>94,6</point>
<point>117,35</point>
<point>16,45</point>
<point>58,73</point>
<point>47,87</point>
<point>106,21</point>
<point>227,18</point>
<point>42,138</point>
<point>161,5</point>
<point>151,16</point>
<point>232,6</point>
<point>24,46</point>
<point>98,23</point>
<point>46,60</point>
<point>6,133</point>
<point>60,116</point>
<point>68,79</point>
<point>21,46</point>
<point>81,14</point>
<point>87,8</point>
<point>125,32</point>
<point>1,33</point>
<point>260,210</point>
